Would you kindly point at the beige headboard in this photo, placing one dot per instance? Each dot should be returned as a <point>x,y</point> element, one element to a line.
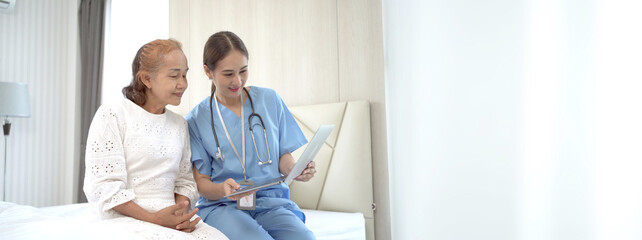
<point>343,182</point>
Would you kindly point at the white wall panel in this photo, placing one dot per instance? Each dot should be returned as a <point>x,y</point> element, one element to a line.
<point>454,116</point>
<point>292,45</point>
<point>38,46</point>
<point>361,77</point>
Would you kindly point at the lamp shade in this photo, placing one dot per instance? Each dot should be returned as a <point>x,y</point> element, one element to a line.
<point>14,99</point>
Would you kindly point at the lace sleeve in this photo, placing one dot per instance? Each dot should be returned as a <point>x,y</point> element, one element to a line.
<point>185,184</point>
<point>105,167</point>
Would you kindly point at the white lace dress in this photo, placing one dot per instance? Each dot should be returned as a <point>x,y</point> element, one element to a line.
<point>134,155</point>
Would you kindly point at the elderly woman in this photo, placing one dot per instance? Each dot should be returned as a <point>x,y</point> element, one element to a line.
<point>138,169</point>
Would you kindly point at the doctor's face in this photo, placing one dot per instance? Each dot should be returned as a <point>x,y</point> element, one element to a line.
<point>230,75</point>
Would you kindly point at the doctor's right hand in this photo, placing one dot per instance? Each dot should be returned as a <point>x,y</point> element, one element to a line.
<point>230,186</point>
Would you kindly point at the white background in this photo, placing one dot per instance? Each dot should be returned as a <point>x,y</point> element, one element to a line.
<point>514,119</point>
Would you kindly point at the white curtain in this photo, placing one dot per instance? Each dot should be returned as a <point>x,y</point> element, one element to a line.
<point>514,119</point>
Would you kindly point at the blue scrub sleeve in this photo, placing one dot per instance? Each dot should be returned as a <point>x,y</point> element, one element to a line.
<point>291,137</point>
<point>200,158</point>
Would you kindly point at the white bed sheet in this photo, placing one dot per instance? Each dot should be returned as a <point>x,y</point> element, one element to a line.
<point>75,221</point>
<point>336,225</point>
<point>26,222</point>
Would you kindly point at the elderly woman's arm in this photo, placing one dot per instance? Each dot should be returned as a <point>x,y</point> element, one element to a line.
<point>106,174</point>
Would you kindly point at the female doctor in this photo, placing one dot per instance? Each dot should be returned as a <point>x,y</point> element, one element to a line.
<point>239,136</point>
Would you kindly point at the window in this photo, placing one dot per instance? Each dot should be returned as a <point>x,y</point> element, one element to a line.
<point>128,25</point>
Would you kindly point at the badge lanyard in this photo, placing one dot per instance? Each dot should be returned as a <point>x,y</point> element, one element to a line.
<point>227,134</point>
<point>248,202</point>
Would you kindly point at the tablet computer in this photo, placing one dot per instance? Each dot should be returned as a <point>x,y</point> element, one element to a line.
<point>307,156</point>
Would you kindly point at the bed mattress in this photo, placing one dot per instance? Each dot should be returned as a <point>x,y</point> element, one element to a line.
<point>75,221</point>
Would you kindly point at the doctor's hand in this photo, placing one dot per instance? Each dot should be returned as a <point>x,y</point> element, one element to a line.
<point>230,186</point>
<point>307,173</point>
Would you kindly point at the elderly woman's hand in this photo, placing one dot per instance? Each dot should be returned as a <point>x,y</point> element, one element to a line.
<point>167,217</point>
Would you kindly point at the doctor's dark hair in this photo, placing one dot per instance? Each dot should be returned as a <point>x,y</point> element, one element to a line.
<point>218,46</point>
<point>148,60</point>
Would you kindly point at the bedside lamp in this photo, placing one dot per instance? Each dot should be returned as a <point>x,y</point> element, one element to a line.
<point>14,102</point>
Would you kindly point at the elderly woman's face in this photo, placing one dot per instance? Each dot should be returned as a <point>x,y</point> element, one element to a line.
<point>168,84</point>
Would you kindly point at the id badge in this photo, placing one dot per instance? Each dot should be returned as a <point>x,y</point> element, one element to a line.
<point>247,203</point>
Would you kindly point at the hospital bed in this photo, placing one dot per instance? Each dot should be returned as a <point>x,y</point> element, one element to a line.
<point>338,201</point>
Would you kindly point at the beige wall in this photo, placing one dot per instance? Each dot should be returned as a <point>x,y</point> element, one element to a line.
<point>308,51</point>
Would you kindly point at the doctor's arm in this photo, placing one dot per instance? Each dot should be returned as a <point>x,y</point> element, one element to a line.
<point>286,163</point>
<point>214,191</point>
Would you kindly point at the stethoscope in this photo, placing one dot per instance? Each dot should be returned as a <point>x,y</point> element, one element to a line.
<point>219,154</point>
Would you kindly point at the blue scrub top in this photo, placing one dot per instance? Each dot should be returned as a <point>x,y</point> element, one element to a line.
<point>283,133</point>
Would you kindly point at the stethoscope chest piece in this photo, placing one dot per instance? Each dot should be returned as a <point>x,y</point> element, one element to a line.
<point>219,154</point>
